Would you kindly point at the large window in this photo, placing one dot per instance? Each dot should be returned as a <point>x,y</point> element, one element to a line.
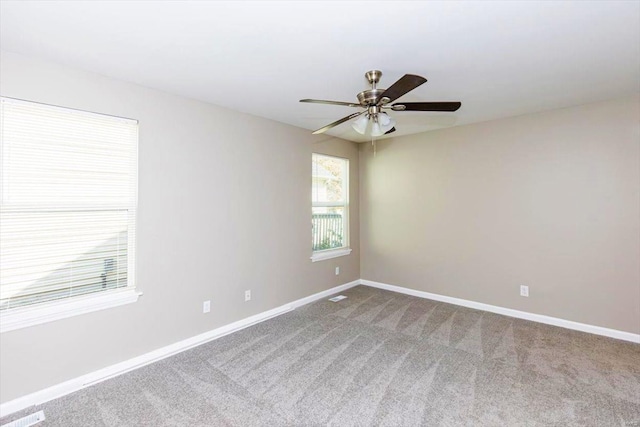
<point>68,184</point>
<point>330,207</point>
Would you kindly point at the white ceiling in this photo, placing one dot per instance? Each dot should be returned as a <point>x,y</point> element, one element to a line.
<point>499,59</point>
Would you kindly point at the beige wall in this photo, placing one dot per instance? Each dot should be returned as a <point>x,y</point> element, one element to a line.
<point>224,206</point>
<point>550,200</point>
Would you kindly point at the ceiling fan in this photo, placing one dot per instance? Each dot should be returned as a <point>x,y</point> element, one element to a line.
<point>373,119</point>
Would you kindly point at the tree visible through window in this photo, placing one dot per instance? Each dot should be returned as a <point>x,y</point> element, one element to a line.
<point>330,202</point>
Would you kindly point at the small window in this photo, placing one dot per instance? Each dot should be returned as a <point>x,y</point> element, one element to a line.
<point>330,207</point>
<point>68,184</point>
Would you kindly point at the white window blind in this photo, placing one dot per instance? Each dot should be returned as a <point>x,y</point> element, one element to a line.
<point>68,195</point>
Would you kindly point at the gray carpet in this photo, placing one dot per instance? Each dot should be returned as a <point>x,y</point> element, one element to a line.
<point>377,358</point>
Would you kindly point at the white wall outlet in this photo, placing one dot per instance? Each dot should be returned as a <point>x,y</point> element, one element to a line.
<point>524,291</point>
<point>206,306</point>
<point>247,295</point>
<point>337,271</point>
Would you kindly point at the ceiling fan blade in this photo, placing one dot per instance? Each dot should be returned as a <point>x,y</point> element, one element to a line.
<point>337,122</point>
<point>405,84</point>
<point>392,130</point>
<point>322,101</point>
<point>426,106</point>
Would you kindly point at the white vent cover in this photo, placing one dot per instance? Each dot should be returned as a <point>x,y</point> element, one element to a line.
<point>338,298</point>
<point>27,421</point>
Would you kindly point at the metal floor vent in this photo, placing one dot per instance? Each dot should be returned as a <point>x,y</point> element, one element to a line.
<point>27,421</point>
<point>338,298</point>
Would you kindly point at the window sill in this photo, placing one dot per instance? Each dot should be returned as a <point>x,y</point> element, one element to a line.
<point>330,253</point>
<point>19,318</point>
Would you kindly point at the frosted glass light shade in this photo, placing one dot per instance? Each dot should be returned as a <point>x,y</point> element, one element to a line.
<point>379,124</point>
<point>376,129</point>
<point>361,124</point>
<point>383,119</point>
<point>386,122</point>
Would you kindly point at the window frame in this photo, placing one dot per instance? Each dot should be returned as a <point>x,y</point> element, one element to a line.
<point>324,254</point>
<point>47,311</point>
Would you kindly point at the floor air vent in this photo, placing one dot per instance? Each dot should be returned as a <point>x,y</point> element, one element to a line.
<point>338,298</point>
<point>27,421</point>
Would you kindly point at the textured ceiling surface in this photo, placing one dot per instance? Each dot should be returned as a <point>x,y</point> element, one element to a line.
<point>499,58</point>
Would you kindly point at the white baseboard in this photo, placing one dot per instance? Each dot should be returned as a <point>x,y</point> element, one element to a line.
<point>324,294</point>
<point>100,375</point>
<point>568,324</point>
<point>95,377</point>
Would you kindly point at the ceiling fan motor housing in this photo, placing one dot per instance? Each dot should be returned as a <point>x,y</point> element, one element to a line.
<point>370,97</point>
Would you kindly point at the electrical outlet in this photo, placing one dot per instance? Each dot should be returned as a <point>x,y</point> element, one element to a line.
<point>247,295</point>
<point>206,306</point>
<point>524,291</point>
<point>337,271</point>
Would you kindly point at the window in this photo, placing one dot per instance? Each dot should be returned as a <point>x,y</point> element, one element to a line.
<point>68,196</point>
<point>330,207</point>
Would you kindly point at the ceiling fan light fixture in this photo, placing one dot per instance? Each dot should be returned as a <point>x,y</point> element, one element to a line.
<point>376,129</point>
<point>361,124</point>
<point>384,119</point>
<point>386,122</point>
